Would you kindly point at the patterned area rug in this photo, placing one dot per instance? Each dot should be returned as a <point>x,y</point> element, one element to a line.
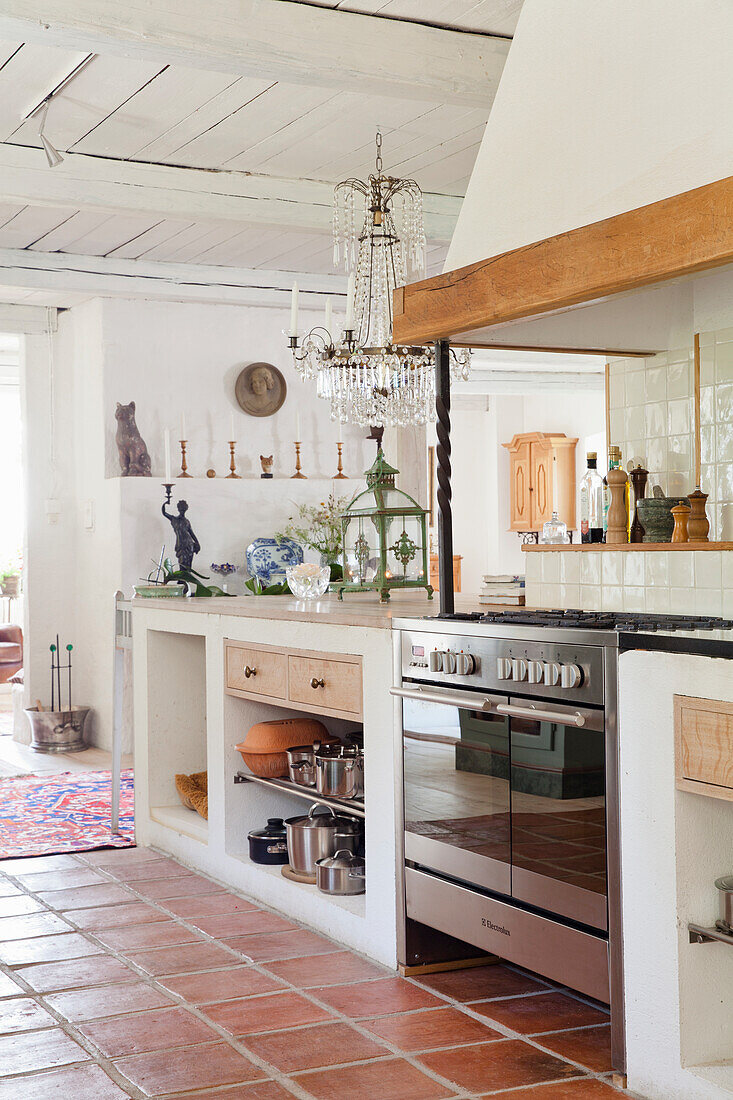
<point>63,813</point>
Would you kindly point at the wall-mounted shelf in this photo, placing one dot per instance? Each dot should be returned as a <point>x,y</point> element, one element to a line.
<point>700,934</point>
<point>308,794</point>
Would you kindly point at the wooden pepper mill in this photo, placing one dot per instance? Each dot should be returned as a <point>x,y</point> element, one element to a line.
<point>617,530</point>
<point>681,513</point>
<point>638,482</point>
<point>698,526</point>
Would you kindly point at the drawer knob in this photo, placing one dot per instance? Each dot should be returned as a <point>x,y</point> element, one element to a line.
<point>249,671</point>
<point>316,683</point>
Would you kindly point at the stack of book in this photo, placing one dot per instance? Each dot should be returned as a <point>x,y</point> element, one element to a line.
<point>502,589</point>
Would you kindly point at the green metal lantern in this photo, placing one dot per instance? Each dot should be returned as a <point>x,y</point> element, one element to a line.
<point>384,537</point>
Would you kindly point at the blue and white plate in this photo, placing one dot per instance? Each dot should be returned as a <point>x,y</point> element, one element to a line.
<point>269,558</point>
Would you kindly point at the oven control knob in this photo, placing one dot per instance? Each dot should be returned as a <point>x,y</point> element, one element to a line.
<point>519,669</point>
<point>570,676</point>
<point>552,673</point>
<point>535,672</point>
<point>436,661</point>
<point>465,664</point>
<point>449,662</point>
<point>503,668</point>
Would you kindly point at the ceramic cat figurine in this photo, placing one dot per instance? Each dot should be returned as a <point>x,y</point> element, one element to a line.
<point>134,457</point>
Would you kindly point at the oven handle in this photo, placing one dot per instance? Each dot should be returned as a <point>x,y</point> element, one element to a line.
<point>463,701</point>
<point>565,718</point>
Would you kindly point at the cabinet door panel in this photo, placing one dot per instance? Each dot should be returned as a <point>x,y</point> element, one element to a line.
<point>541,509</point>
<point>520,511</point>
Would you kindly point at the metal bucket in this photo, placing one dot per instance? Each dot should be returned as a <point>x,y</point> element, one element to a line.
<point>58,730</point>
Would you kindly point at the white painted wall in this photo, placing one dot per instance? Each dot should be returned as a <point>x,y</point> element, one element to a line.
<point>601,108</point>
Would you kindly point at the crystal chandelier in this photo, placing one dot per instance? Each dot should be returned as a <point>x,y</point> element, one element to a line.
<point>379,237</point>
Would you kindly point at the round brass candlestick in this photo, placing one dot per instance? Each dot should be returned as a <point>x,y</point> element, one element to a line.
<point>297,473</point>
<point>232,463</point>
<point>340,475</point>
<point>184,467</point>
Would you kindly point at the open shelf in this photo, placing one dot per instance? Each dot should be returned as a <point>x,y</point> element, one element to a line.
<point>183,820</point>
<point>352,806</point>
<point>351,903</point>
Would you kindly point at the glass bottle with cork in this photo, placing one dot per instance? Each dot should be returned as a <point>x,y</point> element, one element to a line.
<point>591,502</point>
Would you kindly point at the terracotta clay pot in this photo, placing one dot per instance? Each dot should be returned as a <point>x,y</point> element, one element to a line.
<point>264,749</point>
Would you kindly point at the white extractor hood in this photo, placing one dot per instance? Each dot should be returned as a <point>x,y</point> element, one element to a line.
<point>603,106</point>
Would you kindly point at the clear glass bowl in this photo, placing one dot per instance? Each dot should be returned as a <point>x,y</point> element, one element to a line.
<point>308,584</point>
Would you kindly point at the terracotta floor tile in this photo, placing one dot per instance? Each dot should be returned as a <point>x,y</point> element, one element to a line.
<point>142,870</point>
<point>83,897</point>
<point>77,974</point>
<point>33,1050</point>
<point>23,1014</point>
<point>263,947</point>
<point>221,985</point>
<point>442,1027</point>
<point>393,1080</point>
<point>7,890</point>
<point>159,1029</point>
<point>182,959</point>
<point>506,1064</point>
<point>28,865</point>
<point>262,1090</point>
<point>208,904</point>
<point>79,1082</point>
<point>138,936</point>
<point>379,998</point>
<point>314,1047</point>
<point>590,1046</point>
<point>16,906</point>
<point>33,924</point>
<point>114,916</point>
<point>209,1066</point>
<point>584,1089</point>
<point>107,1000</point>
<point>334,969</point>
<point>268,1013</point>
<point>546,1012</point>
<point>119,857</point>
<point>8,988</point>
<point>185,886</point>
<point>481,983</point>
<point>47,949</point>
<point>61,880</point>
<point>242,924</point>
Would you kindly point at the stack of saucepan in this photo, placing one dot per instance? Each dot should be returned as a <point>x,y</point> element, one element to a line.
<point>329,846</point>
<point>335,770</point>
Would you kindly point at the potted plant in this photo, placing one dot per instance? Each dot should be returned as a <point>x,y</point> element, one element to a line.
<point>10,577</point>
<point>319,528</point>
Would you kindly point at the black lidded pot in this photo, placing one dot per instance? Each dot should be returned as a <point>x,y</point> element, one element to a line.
<point>269,845</point>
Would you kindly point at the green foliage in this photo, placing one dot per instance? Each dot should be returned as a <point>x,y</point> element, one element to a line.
<point>254,584</point>
<point>192,579</point>
<point>319,527</point>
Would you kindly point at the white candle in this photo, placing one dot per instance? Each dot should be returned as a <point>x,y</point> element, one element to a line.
<point>329,316</point>
<point>294,311</point>
<point>167,437</point>
<point>183,426</point>
<point>231,430</point>
<point>351,294</point>
<point>297,428</point>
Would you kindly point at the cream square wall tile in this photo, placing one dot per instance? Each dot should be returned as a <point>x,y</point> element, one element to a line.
<point>707,404</point>
<point>656,568</point>
<point>682,601</point>
<point>635,425</point>
<point>612,598</point>
<point>657,601</point>
<point>634,598</point>
<point>550,595</point>
<point>656,384</point>
<point>590,567</point>
<point>679,380</point>
<point>724,362</point>
<point>723,442</point>
<point>635,387</point>
<point>618,423</point>
<point>679,416</point>
<point>532,567</point>
<point>723,402</point>
<point>656,418</point>
<point>681,569</point>
<point>633,567</point>
<point>590,597</point>
<point>727,609</point>
<point>726,557</point>
<point>708,569</point>
<point>570,567</point>
<point>708,452</point>
<point>707,365</point>
<point>550,567</point>
<point>616,387</point>
<point>569,595</point>
<point>708,601</point>
<point>612,568</point>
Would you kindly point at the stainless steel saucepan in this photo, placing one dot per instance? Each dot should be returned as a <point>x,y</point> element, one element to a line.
<point>342,775</point>
<point>341,873</point>
<point>314,836</point>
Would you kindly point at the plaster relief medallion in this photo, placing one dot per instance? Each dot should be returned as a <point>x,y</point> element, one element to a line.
<point>260,389</point>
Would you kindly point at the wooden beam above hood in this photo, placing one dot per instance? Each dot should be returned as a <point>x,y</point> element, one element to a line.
<point>670,239</point>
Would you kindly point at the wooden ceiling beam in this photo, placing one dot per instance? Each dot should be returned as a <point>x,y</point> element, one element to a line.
<point>669,239</point>
<point>299,43</point>
<point>197,194</point>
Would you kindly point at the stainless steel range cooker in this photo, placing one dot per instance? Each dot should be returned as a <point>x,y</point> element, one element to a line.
<point>510,790</point>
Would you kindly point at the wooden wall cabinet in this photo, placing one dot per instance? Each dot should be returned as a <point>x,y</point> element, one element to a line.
<point>435,572</point>
<point>542,478</point>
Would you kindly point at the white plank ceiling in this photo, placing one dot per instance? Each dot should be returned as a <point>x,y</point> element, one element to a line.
<point>129,109</point>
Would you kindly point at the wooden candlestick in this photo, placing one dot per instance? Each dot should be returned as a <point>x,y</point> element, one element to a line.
<point>232,463</point>
<point>698,526</point>
<point>638,480</point>
<point>340,476</point>
<point>617,531</point>
<point>297,464</point>
<point>681,513</point>
<point>184,468</point>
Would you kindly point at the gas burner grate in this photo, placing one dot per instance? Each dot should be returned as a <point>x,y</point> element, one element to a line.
<point>595,620</point>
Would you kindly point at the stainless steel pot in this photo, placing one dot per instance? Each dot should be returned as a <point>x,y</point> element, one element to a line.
<point>340,776</point>
<point>312,837</point>
<point>725,901</point>
<point>302,762</point>
<point>341,873</point>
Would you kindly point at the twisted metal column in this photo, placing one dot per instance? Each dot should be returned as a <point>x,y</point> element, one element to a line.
<point>445,514</point>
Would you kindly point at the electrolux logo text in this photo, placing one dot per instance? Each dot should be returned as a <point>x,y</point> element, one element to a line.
<point>495,927</point>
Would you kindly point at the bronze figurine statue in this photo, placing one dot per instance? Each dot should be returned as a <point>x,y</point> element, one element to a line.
<point>186,542</point>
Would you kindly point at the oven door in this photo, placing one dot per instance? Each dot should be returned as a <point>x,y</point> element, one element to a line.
<point>456,785</point>
<point>558,809</point>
